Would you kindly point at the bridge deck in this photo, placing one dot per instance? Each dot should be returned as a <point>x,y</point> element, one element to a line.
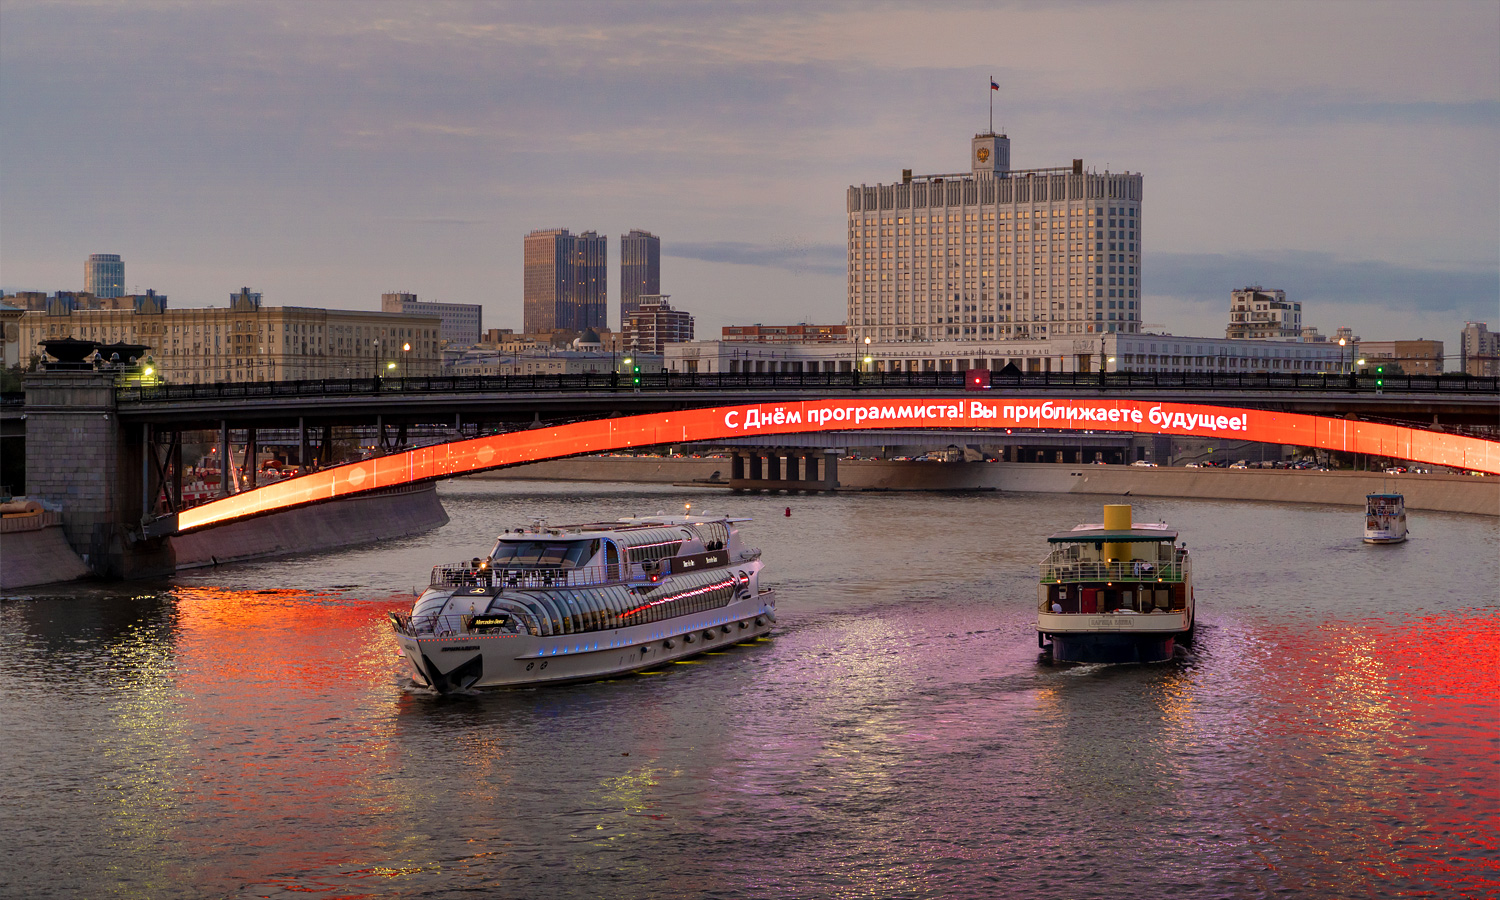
<point>1455,399</point>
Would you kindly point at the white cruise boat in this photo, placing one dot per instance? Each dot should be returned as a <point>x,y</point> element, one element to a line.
<point>575,602</point>
<point>1115,592</point>
<point>1385,518</point>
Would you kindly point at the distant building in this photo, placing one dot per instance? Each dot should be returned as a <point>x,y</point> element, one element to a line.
<point>462,322</point>
<point>995,253</point>
<point>104,275</point>
<point>640,270</point>
<point>566,280</point>
<point>1117,352</point>
<point>546,361</point>
<point>1481,350</point>
<point>38,301</point>
<point>1258,314</point>
<point>786,334</point>
<point>249,342</point>
<point>10,336</point>
<point>1419,357</point>
<point>654,325</point>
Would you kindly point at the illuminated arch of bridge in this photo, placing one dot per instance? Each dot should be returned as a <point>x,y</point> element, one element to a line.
<point>466,457</point>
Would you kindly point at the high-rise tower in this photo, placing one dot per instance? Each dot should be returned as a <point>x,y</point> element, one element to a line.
<point>104,275</point>
<point>640,270</point>
<point>565,281</point>
<point>995,253</point>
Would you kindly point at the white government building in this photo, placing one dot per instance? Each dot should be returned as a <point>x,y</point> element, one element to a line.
<point>1039,268</point>
<point>994,253</point>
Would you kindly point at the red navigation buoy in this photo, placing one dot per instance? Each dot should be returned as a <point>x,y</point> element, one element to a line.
<point>788,512</point>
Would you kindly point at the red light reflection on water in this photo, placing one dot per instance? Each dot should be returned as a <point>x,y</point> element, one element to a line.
<point>287,703</point>
<point>1385,725</point>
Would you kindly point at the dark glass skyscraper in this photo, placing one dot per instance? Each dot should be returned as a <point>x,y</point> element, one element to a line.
<point>566,281</point>
<point>640,270</point>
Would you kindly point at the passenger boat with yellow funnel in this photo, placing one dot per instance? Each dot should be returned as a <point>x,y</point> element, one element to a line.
<point>575,602</point>
<point>1115,592</point>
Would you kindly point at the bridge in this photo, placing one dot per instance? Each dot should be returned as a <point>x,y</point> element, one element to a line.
<point>1418,400</point>
<point>83,429</point>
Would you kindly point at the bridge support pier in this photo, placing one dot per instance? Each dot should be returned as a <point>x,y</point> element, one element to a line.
<point>80,457</point>
<point>761,470</point>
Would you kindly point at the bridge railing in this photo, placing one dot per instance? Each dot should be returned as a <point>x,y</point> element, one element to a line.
<point>656,382</point>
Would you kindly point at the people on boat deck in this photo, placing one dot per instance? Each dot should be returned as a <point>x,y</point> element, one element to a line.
<point>1056,607</point>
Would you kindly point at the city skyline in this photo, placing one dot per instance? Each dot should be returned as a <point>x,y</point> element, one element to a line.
<point>1349,160</point>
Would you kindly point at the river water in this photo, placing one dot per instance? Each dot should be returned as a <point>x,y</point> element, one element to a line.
<point>245,731</point>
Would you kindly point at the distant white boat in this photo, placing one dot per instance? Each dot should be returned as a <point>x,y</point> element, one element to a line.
<point>1385,519</point>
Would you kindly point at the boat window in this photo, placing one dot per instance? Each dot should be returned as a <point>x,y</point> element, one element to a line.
<point>543,554</point>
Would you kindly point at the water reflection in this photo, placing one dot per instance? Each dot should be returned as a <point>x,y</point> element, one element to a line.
<point>246,732</point>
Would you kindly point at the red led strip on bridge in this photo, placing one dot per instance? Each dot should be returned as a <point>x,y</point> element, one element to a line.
<point>691,426</point>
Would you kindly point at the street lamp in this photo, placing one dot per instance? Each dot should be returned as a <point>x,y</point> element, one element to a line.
<point>1342,342</point>
<point>868,358</point>
<point>405,349</point>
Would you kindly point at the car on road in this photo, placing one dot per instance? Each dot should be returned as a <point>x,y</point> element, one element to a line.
<point>1144,464</point>
<point>1239,464</point>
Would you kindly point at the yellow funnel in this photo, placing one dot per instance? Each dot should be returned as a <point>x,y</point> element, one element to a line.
<point>1117,518</point>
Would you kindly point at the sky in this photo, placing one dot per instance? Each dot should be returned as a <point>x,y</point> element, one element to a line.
<point>324,153</point>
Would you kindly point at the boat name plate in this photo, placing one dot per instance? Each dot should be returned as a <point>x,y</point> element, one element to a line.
<point>697,561</point>
<point>456,649</point>
<point>493,621</point>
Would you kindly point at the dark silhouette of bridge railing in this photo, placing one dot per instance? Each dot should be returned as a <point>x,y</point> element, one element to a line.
<point>660,382</point>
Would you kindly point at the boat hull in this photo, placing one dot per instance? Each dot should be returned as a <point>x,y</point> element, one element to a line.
<point>1115,638</point>
<point>461,661</point>
<point>1113,648</point>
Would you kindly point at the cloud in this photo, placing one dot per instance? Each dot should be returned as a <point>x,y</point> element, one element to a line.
<point>1324,279</point>
<point>793,256</point>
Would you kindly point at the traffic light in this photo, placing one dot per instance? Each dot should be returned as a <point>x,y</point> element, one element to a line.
<point>1380,376</point>
<point>635,374</point>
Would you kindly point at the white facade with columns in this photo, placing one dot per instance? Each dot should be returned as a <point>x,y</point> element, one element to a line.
<point>995,253</point>
<point>1081,353</point>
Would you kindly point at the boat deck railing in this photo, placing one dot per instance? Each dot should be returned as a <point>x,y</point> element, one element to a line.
<point>465,575</point>
<point>461,575</point>
<point>1061,569</point>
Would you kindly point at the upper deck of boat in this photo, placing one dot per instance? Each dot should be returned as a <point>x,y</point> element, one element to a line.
<point>621,526</point>
<point>1092,533</point>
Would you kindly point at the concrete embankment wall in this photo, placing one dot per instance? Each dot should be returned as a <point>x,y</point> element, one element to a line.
<point>32,556</point>
<point>1445,493</point>
<point>325,526</point>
